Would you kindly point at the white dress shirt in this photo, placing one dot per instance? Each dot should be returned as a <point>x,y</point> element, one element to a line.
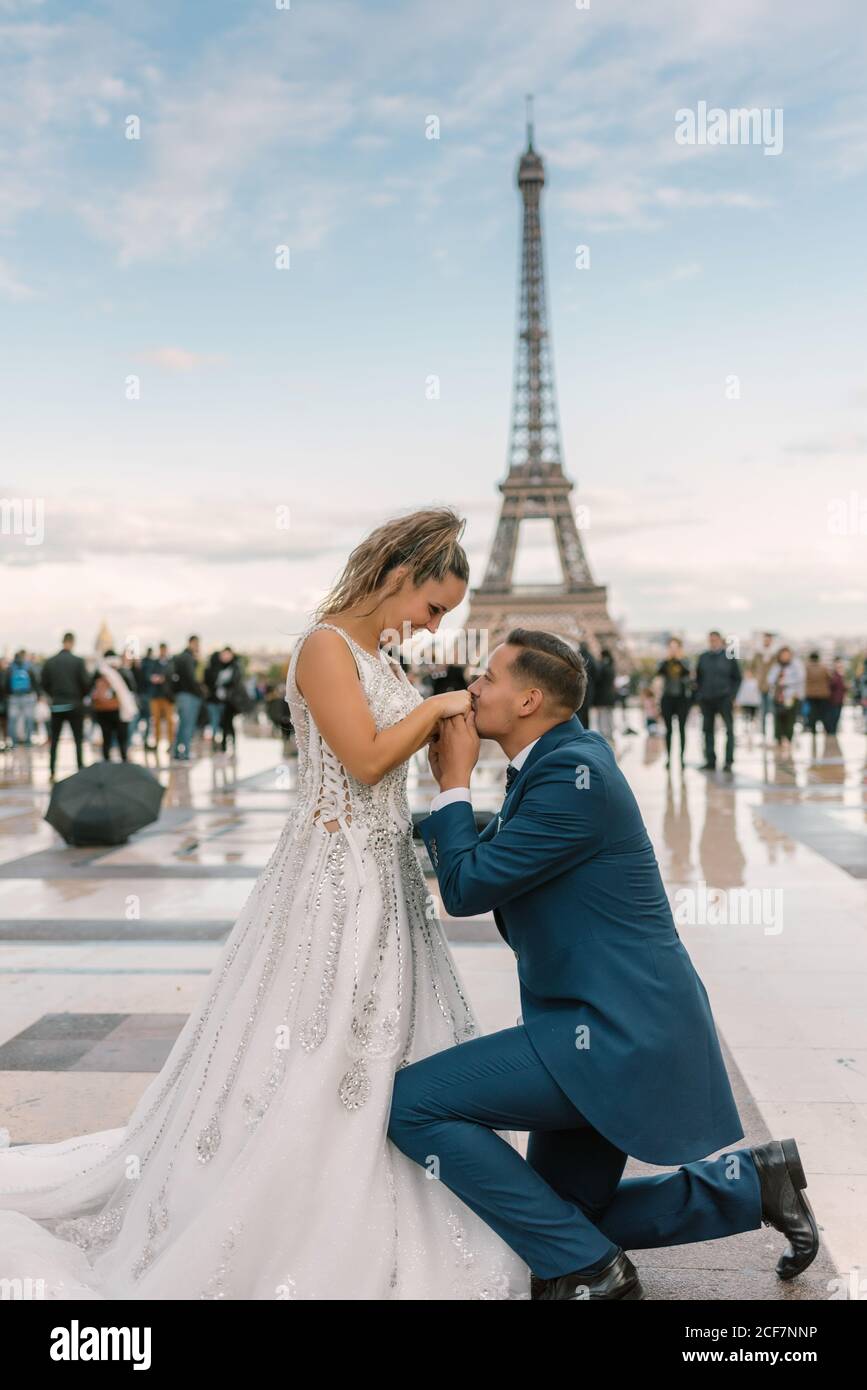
<point>463,793</point>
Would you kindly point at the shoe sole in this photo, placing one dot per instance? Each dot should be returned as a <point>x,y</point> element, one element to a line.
<point>799,1182</point>
<point>634,1291</point>
<point>793,1163</point>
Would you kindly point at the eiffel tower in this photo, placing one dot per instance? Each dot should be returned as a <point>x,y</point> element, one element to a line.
<point>536,485</point>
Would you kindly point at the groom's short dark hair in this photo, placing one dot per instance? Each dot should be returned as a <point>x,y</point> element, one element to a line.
<point>549,661</point>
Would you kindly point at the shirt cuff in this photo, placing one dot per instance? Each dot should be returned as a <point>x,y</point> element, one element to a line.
<point>453,794</point>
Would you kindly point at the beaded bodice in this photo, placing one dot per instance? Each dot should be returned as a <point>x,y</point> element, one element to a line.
<point>326,790</point>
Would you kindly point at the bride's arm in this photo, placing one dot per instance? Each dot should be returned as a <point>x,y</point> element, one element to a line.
<point>327,677</point>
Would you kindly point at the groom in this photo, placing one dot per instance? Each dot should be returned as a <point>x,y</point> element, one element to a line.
<point>617,1053</point>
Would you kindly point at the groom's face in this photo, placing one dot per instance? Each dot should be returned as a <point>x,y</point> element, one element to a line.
<point>497,698</point>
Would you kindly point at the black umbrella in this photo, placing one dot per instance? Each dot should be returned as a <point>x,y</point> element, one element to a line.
<point>104,803</point>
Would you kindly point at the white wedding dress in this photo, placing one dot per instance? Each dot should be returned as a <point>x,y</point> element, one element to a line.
<point>256,1165</point>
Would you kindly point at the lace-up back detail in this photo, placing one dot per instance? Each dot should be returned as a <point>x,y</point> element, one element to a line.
<point>327,792</point>
<point>334,797</point>
<point>374,824</point>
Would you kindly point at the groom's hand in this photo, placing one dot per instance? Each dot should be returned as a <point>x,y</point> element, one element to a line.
<point>433,754</point>
<point>457,751</point>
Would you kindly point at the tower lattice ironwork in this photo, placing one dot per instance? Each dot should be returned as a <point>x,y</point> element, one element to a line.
<point>536,485</point>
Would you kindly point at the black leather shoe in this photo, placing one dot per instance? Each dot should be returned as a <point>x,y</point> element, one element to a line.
<point>784,1206</point>
<point>619,1279</point>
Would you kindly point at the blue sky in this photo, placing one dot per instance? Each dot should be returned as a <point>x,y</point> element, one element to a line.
<point>305,388</point>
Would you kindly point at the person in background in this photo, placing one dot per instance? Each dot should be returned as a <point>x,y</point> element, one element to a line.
<point>4,728</point>
<point>836,695</point>
<point>749,697</point>
<point>42,716</point>
<point>213,704</point>
<point>189,694</point>
<point>449,677</point>
<point>161,697</point>
<point>817,689</point>
<point>676,700</point>
<point>787,681</point>
<point>256,685</point>
<point>650,710</point>
<point>20,689</point>
<point>604,694</point>
<point>129,670</point>
<point>590,667</point>
<point>65,681</point>
<point>861,697</point>
<point>277,710</point>
<point>231,694</point>
<point>622,692</point>
<point>114,703</point>
<point>762,663</point>
<point>717,680</point>
<point>141,675</point>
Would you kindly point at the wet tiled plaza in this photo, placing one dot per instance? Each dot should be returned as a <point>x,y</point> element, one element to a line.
<point>103,953</point>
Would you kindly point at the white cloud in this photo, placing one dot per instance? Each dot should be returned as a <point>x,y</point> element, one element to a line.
<point>12,286</point>
<point>178,359</point>
<point>284,128</point>
<point>697,198</point>
<point>842,596</point>
<point>852,443</point>
<point>690,270</point>
<point>220,130</point>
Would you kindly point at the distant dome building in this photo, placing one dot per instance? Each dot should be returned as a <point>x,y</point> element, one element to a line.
<point>104,641</point>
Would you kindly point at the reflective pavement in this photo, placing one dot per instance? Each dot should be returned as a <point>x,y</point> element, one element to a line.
<point>104,952</point>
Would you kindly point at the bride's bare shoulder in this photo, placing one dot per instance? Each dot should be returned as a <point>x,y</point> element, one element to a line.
<point>325,656</point>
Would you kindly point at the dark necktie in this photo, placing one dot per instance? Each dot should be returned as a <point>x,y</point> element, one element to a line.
<point>511,774</point>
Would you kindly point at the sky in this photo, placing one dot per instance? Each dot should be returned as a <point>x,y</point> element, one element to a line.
<point>199,435</point>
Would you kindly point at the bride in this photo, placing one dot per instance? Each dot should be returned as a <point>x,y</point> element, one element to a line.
<point>256,1165</point>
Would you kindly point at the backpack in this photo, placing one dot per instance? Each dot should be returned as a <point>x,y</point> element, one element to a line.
<point>103,696</point>
<point>19,680</point>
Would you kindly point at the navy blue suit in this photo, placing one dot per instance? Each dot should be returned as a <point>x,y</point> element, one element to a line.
<point>617,1053</point>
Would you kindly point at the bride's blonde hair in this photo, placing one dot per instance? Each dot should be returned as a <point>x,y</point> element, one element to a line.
<point>427,541</point>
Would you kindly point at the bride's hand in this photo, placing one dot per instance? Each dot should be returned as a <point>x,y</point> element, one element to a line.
<point>451,702</point>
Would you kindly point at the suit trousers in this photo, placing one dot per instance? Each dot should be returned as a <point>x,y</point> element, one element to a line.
<point>720,705</point>
<point>162,713</point>
<point>75,719</point>
<point>566,1207</point>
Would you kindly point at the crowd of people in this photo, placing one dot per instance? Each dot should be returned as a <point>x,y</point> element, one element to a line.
<point>165,700</point>
<point>774,683</point>
<point>156,698</point>
<point>773,688</point>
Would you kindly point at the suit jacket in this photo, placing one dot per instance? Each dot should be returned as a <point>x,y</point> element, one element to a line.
<point>609,996</point>
<point>65,679</point>
<point>184,678</point>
